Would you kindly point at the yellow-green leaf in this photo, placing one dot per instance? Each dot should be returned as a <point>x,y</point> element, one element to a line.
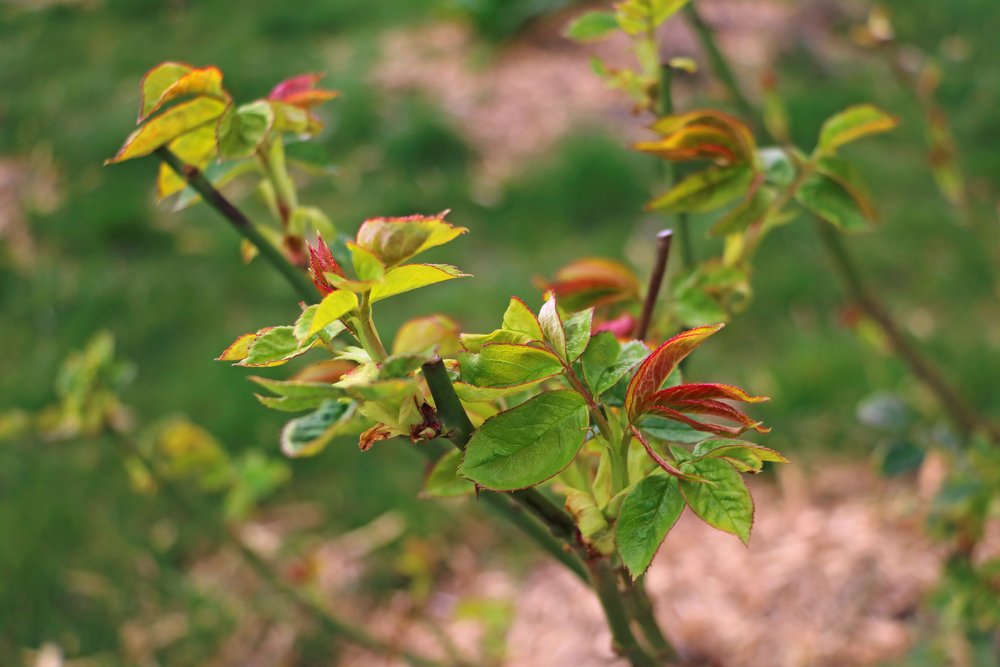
<point>591,26</point>
<point>333,306</point>
<point>203,81</point>
<point>274,347</point>
<point>723,501</point>
<point>422,334</point>
<point>413,276</point>
<point>705,190</point>
<point>851,124</point>
<point>169,125</point>
<point>156,81</point>
<point>519,318</point>
<point>827,199</point>
<point>195,148</point>
<point>443,481</point>
<point>507,365</point>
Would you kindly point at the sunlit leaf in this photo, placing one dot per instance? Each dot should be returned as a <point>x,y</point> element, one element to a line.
<point>156,81</point>
<point>578,330</point>
<point>413,276</point>
<point>648,513</point>
<point>274,347</point>
<point>519,318</point>
<point>205,81</point>
<point>552,327</point>
<point>333,307</point>
<point>238,349</point>
<point>724,501</point>
<point>705,190</point>
<point>851,124</point>
<point>505,365</point>
<point>195,148</point>
<point>366,265</point>
<point>169,125</point>
<point>528,444</point>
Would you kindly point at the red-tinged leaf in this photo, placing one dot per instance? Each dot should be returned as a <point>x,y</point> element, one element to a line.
<point>169,125</point>
<point>239,348</point>
<point>696,142</point>
<point>715,408</point>
<point>205,81</point>
<point>740,137</point>
<point>707,190</point>
<point>684,392</point>
<point>321,262</point>
<point>395,240</point>
<point>622,326</point>
<point>717,429</point>
<point>851,124</point>
<point>300,91</point>
<point>593,281</point>
<point>660,461</point>
<point>660,364</point>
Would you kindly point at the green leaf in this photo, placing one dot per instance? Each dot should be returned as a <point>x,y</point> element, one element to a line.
<point>303,325</point>
<point>169,125</point>
<point>606,361</point>
<point>333,307</point>
<point>577,329</point>
<point>671,431</point>
<point>519,318</point>
<point>650,510</point>
<point>273,347</point>
<point>366,265</point>
<point>443,481</point>
<point>423,334</point>
<point>724,501</point>
<point>846,176</point>
<point>744,456</point>
<point>552,327</point>
<point>470,393</point>
<point>641,16</point>
<point>506,365</point>
<point>243,129</point>
<point>294,396</point>
<point>591,26</point>
<point>751,210</point>
<point>413,276</point>
<point>705,190</point>
<point>851,124</point>
<point>827,199</point>
<point>529,444</point>
<point>310,434</point>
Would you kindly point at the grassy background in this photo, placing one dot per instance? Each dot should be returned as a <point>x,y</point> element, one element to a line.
<point>174,292</point>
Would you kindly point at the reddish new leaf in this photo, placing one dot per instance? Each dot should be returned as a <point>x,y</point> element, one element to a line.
<point>660,461</point>
<point>321,261</point>
<point>300,91</point>
<point>684,392</point>
<point>659,364</point>
<point>713,408</point>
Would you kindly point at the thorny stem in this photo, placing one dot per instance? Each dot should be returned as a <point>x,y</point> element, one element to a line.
<point>642,611</point>
<point>239,221</point>
<point>663,240</point>
<point>330,623</point>
<point>963,416</point>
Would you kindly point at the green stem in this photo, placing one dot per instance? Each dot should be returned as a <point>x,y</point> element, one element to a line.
<point>606,587</point>
<point>961,414</point>
<point>272,157</point>
<point>720,64</point>
<point>331,623</point>
<point>299,281</point>
<point>668,170</point>
<point>642,611</point>
<point>367,334</point>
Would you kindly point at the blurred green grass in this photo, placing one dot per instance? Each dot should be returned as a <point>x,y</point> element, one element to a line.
<point>174,292</point>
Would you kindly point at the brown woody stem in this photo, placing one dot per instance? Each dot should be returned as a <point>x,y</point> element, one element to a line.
<point>663,240</point>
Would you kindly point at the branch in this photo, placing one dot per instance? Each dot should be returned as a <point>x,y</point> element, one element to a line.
<point>706,36</point>
<point>239,221</point>
<point>663,240</point>
<point>963,415</point>
<point>331,623</point>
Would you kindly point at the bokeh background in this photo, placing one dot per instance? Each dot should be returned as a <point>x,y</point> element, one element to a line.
<point>481,107</point>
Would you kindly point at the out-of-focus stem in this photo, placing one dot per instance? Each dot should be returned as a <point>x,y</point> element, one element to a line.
<point>240,222</point>
<point>706,36</point>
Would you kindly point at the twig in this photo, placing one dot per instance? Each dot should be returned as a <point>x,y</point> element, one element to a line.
<point>663,240</point>
<point>706,36</point>
<point>963,416</point>
<point>239,221</point>
<point>331,623</point>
